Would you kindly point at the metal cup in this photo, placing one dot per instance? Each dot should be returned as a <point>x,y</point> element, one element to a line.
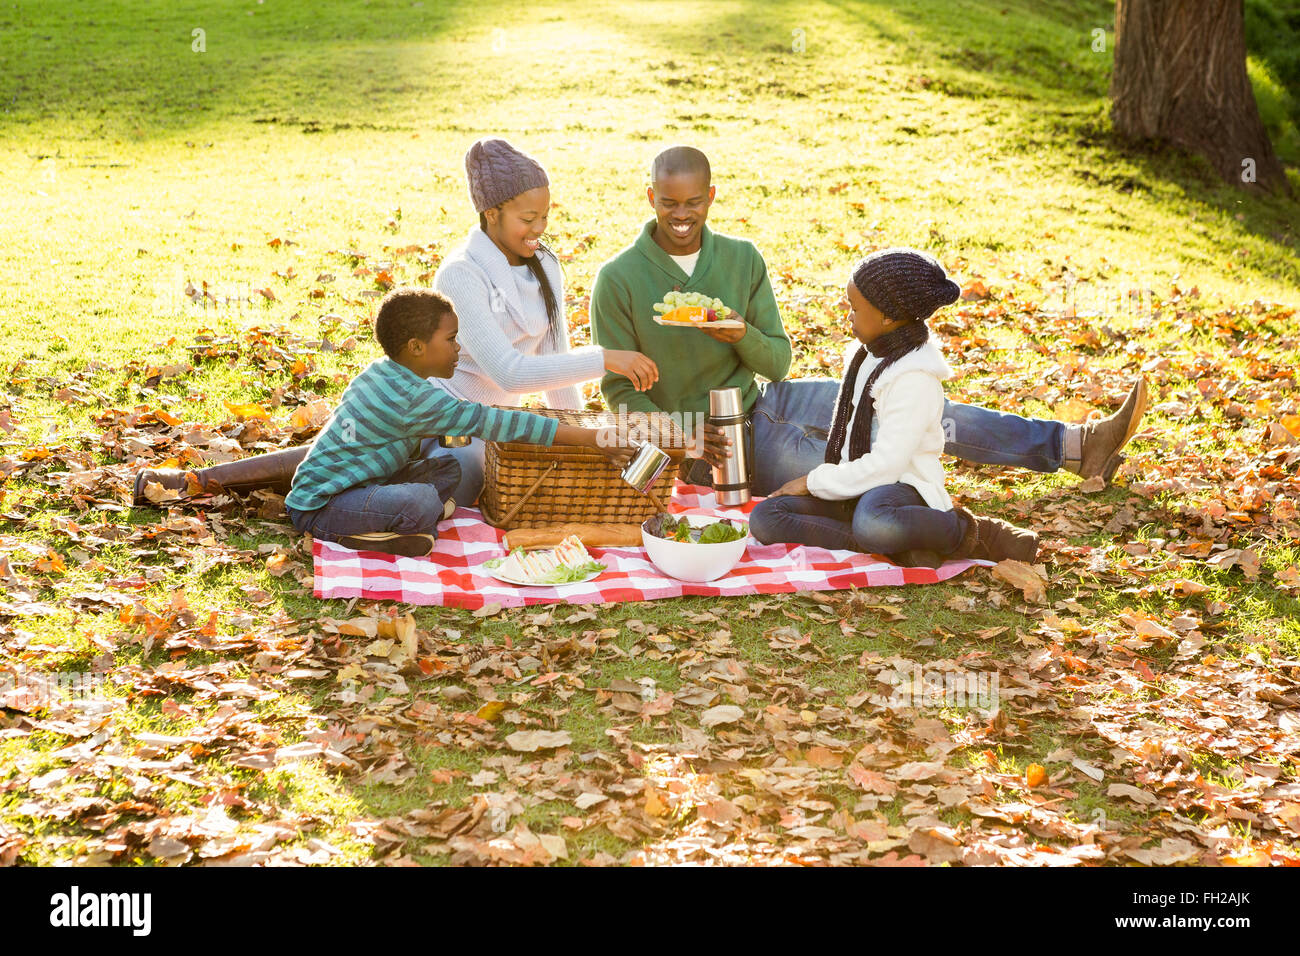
<point>725,402</point>
<point>646,466</point>
<point>454,441</point>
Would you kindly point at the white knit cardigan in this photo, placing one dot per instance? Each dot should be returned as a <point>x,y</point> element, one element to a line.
<point>507,350</point>
<point>910,439</point>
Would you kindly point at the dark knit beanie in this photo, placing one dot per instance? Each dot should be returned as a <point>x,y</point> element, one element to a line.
<point>904,284</point>
<point>497,172</point>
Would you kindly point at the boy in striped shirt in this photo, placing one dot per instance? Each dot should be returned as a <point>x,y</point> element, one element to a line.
<point>362,484</point>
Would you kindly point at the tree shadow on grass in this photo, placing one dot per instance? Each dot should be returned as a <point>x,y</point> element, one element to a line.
<point>114,68</point>
<point>1044,53</point>
<point>118,69</point>
<point>1264,224</point>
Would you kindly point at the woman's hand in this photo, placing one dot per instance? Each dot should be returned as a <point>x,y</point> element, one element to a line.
<point>637,368</point>
<point>795,486</point>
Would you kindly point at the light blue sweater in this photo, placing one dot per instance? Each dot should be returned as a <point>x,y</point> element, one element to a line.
<point>508,348</point>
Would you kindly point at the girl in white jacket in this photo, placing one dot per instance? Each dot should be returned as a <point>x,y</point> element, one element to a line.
<point>881,489</point>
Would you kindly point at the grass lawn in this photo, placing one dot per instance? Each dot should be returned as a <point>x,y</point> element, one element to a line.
<point>202,208</point>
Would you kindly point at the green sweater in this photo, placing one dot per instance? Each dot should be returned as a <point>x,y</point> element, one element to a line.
<point>690,363</point>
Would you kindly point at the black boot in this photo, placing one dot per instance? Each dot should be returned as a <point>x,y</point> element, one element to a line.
<point>273,471</point>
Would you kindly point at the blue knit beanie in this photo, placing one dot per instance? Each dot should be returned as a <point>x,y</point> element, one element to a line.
<point>497,172</point>
<point>904,284</point>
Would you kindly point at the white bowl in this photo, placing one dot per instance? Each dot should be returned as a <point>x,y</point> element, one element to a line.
<point>688,561</point>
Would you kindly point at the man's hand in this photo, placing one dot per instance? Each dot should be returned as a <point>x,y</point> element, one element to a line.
<point>715,446</point>
<point>729,336</point>
<point>795,486</point>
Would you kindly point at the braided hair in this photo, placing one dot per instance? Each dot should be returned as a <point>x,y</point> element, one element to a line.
<point>534,264</point>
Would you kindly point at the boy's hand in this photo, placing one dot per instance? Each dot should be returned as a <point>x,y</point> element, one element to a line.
<point>605,440</point>
<point>715,447</point>
<point>613,445</point>
<point>795,486</point>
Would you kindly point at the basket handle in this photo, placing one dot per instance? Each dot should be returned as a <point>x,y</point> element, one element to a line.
<point>528,494</point>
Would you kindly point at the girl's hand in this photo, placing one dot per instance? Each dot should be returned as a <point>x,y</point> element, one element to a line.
<point>637,368</point>
<point>796,486</point>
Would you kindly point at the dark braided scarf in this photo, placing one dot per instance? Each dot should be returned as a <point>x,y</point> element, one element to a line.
<point>891,347</point>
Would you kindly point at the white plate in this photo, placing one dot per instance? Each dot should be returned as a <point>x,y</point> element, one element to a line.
<point>538,584</point>
<point>720,324</point>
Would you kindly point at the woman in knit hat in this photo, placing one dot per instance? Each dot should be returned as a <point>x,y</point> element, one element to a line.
<point>881,488</point>
<point>508,291</point>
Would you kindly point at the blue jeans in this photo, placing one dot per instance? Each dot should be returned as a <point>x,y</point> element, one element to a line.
<point>886,520</point>
<point>791,421</point>
<point>408,502</point>
<point>787,438</point>
<point>470,459</point>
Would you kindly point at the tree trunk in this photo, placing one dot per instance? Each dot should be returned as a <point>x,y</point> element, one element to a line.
<point>1180,77</point>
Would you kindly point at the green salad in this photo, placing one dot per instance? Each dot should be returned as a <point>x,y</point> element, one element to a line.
<point>664,525</point>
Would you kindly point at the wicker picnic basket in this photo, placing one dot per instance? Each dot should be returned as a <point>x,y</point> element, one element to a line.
<point>532,486</point>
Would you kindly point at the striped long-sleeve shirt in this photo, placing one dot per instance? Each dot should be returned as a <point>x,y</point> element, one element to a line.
<point>383,416</point>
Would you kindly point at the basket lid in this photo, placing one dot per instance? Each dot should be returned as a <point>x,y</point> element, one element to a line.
<point>658,428</point>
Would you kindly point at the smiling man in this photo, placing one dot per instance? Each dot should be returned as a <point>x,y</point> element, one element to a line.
<point>677,250</point>
<point>787,422</point>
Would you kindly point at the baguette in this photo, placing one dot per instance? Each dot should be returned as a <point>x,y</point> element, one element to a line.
<point>591,536</point>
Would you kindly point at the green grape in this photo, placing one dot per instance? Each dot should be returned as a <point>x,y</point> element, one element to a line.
<point>677,299</point>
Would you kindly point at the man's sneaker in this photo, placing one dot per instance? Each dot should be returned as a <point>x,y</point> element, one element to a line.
<point>1102,440</point>
<point>449,509</point>
<point>390,542</point>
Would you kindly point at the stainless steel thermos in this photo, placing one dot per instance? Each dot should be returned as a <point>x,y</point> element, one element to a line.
<point>727,412</point>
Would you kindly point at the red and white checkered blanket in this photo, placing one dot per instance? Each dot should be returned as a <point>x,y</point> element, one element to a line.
<point>453,575</point>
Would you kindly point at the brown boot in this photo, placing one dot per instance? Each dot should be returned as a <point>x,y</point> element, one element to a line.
<point>1100,442</point>
<point>917,558</point>
<point>991,539</point>
<point>390,542</point>
<point>273,471</point>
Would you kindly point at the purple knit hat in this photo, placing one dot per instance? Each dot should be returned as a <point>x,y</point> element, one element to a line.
<point>904,284</point>
<point>496,172</point>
